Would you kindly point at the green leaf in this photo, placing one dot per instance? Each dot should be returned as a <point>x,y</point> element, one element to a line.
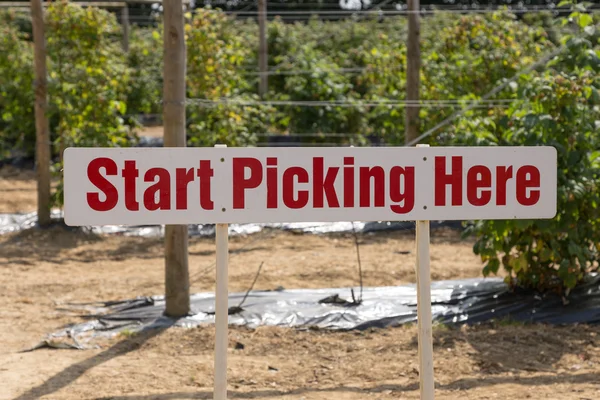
<point>570,281</point>
<point>545,254</point>
<point>563,270</point>
<point>585,20</point>
<point>573,249</point>
<point>493,265</point>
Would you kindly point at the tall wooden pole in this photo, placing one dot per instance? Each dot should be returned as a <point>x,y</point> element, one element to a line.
<point>413,67</point>
<point>263,86</point>
<point>177,280</point>
<point>42,145</point>
<point>125,25</point>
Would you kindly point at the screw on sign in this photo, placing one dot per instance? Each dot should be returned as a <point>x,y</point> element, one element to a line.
<point>241,185</point>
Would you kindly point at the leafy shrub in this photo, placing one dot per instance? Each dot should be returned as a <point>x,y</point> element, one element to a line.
<point>88,78</point>
<point>306,73</point>
<point>214,56</point>
<point>228,123</point>
<point>472,55</point>
<point>145,62</point>
<point>19,19</point>
<point>559,110</point>
<point>323,84</point>
<point>17,123</point>
<point>215,59</point>
<point>383,79</point>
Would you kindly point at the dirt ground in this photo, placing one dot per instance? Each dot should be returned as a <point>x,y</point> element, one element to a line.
<point>17,190</point>
<point>152,131</point>
<point>41,269</point>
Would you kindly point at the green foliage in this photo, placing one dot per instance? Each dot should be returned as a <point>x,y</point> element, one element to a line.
<point>358,66</point>
<point>88,78</point>
<point>17,123</point>
<point>322,84</point>
<point>19,19</point>
<point>383,79</point>
<point>473,55</point>
<point>559,110</point>
<point>145,62</point>
<point>228,123</point>
<point>215,58</point>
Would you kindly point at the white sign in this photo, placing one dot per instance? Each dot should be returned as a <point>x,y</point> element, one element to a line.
<point>137,186</point>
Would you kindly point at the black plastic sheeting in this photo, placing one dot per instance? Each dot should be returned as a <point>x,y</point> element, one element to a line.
<point>20,221</point>
<point>453,302</point>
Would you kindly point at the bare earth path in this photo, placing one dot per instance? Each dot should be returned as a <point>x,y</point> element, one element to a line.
<point>40,269</point>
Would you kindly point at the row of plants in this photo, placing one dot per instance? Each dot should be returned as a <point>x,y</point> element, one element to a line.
<point>558,107</point>
<point>97,91</point>
<point>358,65</point>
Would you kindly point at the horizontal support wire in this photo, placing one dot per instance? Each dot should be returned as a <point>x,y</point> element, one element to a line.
<point>340,13</point>
<point>396,104</point>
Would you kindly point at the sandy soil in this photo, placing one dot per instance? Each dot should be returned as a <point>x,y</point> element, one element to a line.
<point>40,269</point>
<point>152,131</point>
<point>17,190</point>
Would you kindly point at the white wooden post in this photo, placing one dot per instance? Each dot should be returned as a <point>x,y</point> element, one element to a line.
<point>427,385</point>
<point>221,309</point>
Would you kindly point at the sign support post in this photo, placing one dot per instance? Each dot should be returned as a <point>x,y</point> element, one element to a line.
<point>221,309</point>
<point>424,319</point>
<point>424,312</point>
<point>221,312</point>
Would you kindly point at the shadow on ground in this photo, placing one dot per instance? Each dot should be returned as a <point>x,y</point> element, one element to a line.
<point>459,384</point>
<point>70,374</point>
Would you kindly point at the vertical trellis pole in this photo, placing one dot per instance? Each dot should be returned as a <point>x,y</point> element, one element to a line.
<point>177,280</point>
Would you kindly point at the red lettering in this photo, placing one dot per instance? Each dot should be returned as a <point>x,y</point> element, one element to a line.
<point>324,185</point>
<point>130,174</point>
<point>288,187</point>
<point>182,178</point>
<point>348,181</point>
<point>402,193</point>
<point>528,177</point>
<point>96,178</point>
<point>479,177</point>
<point>271,182</point>
<point>503,174</point>
<point>205,174</point>
<point>241,183</point>
<point>442,179</point>
<point>366,174</point>
<point>161,189</point>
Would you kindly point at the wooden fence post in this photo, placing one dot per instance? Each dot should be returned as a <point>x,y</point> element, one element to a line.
<point>177,280</point>
<point>263,86</point>
<point>42,145</point>
<point>125,25</point>
<point>413,67</point>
